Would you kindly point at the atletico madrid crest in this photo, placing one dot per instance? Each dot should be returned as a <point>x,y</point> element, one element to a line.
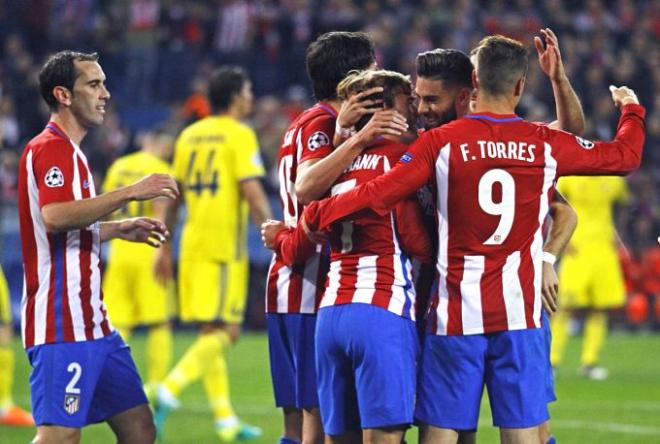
<point>71,403</point>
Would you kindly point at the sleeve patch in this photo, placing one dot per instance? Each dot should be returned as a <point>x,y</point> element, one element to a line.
<point>406,158</point>
<point>54,178</point>
<point>317,140</point>
<point>584,143</point>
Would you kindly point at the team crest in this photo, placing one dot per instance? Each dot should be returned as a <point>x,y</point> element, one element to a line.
<point>71,403</point>
<point>54,178</point>
<point>317,140</point>
<point>584,143</point>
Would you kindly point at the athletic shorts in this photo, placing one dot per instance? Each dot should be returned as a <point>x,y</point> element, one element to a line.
<point>132,295</point>
<point>366,359</point>
<point>213,291</point>
<point>592,278</point>
<point>5,300</point>
<point>550,376</point>
<point>511,364</point>
<point>292,367</point>
<point>78,383</point>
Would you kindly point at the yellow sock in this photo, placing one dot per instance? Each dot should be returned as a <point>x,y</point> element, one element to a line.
<point>6,375</point>
<point>216,384</point>
<point>560,325</point>
<point>595,330</point>
<point>195,361</point>
<point>124,332</point>
<point>159,352</point>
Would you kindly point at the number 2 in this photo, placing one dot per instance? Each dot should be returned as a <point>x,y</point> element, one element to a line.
<point>76,369</point>
<point>505,208</point>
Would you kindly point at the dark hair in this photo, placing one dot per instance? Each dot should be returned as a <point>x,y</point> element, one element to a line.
<point>451,66</point>
<point>392,82</point>
<point>501,61</point>
<point>59,70</point>
<point>332,56</point>
<point>224,84</point>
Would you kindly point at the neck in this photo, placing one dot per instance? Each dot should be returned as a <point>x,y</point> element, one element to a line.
<point>70,125</point>
<point>335,103</point>
<point>495,104</point>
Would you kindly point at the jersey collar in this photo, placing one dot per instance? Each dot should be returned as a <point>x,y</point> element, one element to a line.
<point>495,118</point>
<point>328,109</point>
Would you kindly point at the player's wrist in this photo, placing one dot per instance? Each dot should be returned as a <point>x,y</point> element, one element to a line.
<point>549,258</point>
<point>629,101</point>
<point>344,132</point>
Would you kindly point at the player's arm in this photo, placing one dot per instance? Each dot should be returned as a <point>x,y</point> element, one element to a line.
<point>76,214</point>
<point>166,211</point>
<point>415,239</point>
<point>254,194</point>
<point>576,156</point>
<point>316,176</point>
<point>570,116</point>
<point>564,222</point>
<point>291,245</point>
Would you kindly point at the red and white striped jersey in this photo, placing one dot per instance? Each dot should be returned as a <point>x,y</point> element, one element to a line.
<point>298,289</point>
<point>62,299</point>
<point>494,176</point>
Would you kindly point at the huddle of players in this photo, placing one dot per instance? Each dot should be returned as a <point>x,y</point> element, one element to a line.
<point>342,336</point>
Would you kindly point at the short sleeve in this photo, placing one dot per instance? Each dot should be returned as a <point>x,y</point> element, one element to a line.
<point>248,159</point>
<point>54,173</point>
<point>315,138</point>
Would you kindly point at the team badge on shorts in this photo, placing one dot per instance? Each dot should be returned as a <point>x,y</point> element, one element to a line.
<point>584,143</point>
<point>54,178</point>
<point>317,140</point>
<point>71,403</point>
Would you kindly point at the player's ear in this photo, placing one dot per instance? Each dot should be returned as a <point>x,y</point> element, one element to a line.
<point>463,98</point>
<point>520,86</point>
<point>62,95</point>
<point>475,81</point>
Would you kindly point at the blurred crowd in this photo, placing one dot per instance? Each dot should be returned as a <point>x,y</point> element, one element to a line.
<point>158,53</point>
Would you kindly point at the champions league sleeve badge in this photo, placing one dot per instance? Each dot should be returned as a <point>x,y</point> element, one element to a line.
<point>317,140</point>
<point>54,178</point>
<point>584,143</point>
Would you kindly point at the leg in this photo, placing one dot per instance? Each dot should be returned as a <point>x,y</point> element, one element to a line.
<point>293,424</point>
<point>435,435</point>
<point>49,434</point>
<point>595,330</point>
<point>312,428</point>
<point>528,435</point>
<point>352,437</point>
<point>159,352</point>
<point>544,432</point>
<point>390,435</point>
<point>134,426</point>
<point>467,437</point>
<point>560,328</point>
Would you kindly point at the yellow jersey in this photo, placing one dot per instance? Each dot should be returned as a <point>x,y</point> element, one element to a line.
<point>125,171</point>
<point>593,199</point>
<point>211,157</point>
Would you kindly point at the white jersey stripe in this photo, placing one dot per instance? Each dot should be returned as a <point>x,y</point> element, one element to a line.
<point>95,283</point>
<point>43,257</point>
<point>442,177</point>
<point>334,275</point>
<point>307,305</point>
<point>24,301</point>
<point>365,286</point>
<point>514,301</point>
<point>472,314</point>
<point>283,275</point>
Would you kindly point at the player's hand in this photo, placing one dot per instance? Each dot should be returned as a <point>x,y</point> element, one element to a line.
<point>163,267</point>
<point>387,122</point>
<point>269,231</point>
<point>623,95</point>
<point>550,56</point>
<point>143,230</point>
<point>358,105</point>
<point>155,185</point>
<point>549,288</point>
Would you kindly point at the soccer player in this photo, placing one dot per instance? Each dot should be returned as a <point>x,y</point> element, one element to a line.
<point>133,295</point>
<point>83,372</point>
<point>309,163</point>
<point>367,312</point>
<point>218,166</point>
<point>494,174</point>
<point>10,413</point>
<point>590,277</point>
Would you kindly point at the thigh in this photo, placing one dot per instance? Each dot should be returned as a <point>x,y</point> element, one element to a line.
<point>609,289</point>
<point>200,291</point>
<point>516,362</point>
<point>151,299</point>
<point>47,434</point>
<point>234,279</point>
<point>451,381</point>
<point>134,426</point>
<point>576,275</point>
<point>119,292</point>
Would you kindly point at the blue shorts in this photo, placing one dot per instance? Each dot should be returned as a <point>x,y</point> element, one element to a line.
<point>550,376</point>
<point>366,360</point>
<point>291,346</point>
<point>78,383</point>
<point>454,369</point>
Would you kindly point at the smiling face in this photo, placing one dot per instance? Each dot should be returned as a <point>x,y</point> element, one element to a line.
<point>436,103</point>
<point>89,96</point>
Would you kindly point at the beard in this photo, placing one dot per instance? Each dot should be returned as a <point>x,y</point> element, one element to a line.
<point>438,119</point>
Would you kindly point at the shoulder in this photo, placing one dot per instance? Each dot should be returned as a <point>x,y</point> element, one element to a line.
<point>49,146</point>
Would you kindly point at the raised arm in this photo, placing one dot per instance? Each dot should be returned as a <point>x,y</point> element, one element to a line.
<point>570,116</point>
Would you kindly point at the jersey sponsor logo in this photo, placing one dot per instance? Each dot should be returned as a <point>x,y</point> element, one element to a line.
<point>406,158</point>
<point>584,143</point>
<point>71,403</point>
<point>318,140</point>
<point>54,178</point>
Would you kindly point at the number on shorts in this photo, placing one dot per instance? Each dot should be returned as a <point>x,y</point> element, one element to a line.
<point>505,208</point>
<point>76,369</point>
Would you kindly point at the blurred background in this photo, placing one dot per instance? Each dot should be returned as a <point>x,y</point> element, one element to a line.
<point>157,55</point>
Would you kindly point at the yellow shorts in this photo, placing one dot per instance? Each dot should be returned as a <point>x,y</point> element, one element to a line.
<point>213,291</point>
<point>5,303</point>
<point>591,278</point>
<point>132,295</point>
